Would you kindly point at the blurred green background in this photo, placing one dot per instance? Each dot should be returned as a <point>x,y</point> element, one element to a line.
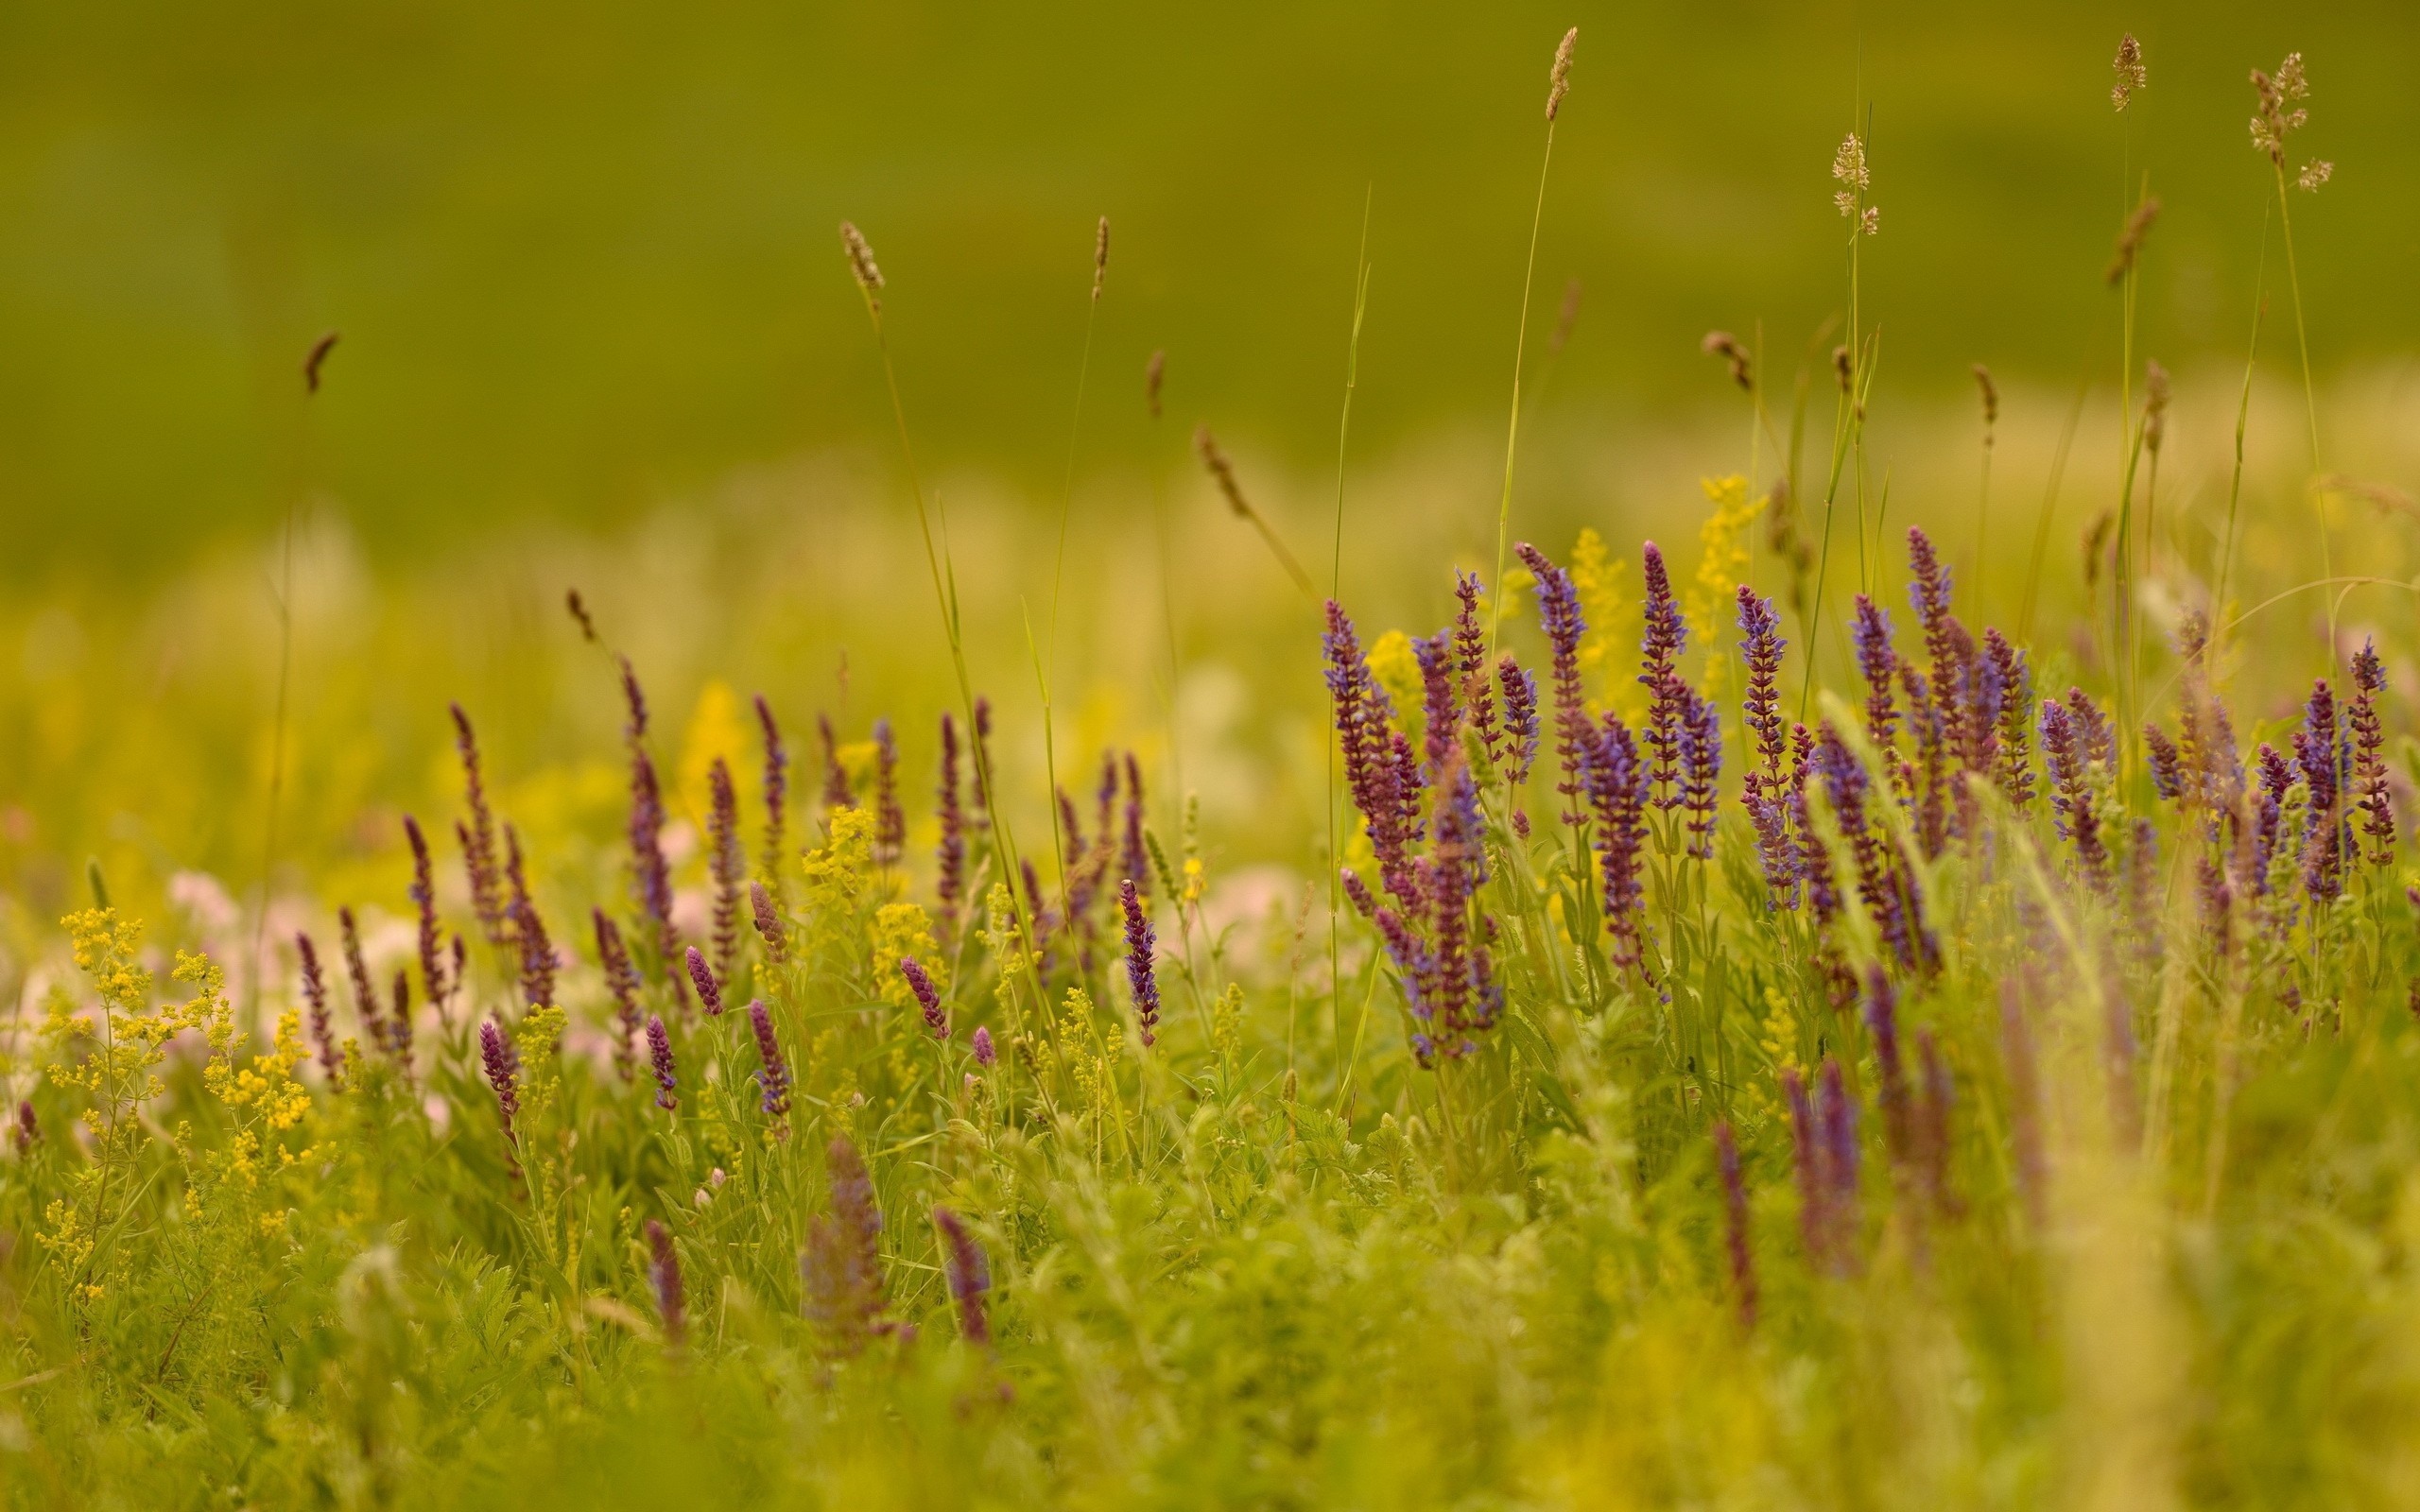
<point>583,256</point>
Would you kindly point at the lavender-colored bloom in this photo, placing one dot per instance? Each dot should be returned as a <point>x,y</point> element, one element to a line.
<point>502,1066</point>
<point>981,745</point>
<point>1946,642</point>
<point>969,1275</point>
<point>622,980</point>
<point>726,863</point>
<point>2316,750</point>
<point>1441,712</point>
<point>773,1078</point>
<point>365,996</point>
<point>1665,637</point>
<point>424,896</point>
<point>1470,664</point>
<point>315,995</point>
<point>664,1270</point>
<point>1134,854</point>
<point>1924,782</point>
<point>777,788</point>
<point>1357,893</point>
<point>1775,849</point>
<point>2369,769</point>
<point>984,1054</point>
<point>2218,905</point>
<point>1520,717</point>
<point>890,819</point>
<point>1617,794</point>
<point>1806,1151</point>
<point>769,925</point>
<point>1883,881</point>
<point>2167,763</point>
<point>2014,771</point>
<point>949,853</point>
<point>1879,665</point>
<point>2277,779</point>
<point>1835,1119</point>
<point>528,931</point>
<point>1575,733</point>
<point>1365,735</point>
<point>28,1130</point>
<point>2064,752</point>
<point>928,996</point>
<point>1735,1223</point>
<point>1141,977</point>
<point>650,874</point>
<point>1700,768</point>
<point>842,1265</point>
<point>1761,646</point>
<point>836,778</point>
<point>399,1020</point>
<point>2093,728</point>
<point>479,835</point>
<point>1467,998</point>
<point>703,977</point>
<point>659,1062</point>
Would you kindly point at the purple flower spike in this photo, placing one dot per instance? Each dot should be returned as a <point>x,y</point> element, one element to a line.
<point>1141,975</point>
<point>2369,769</point>
<point>703,977</point>
<point>1879,665</point>
<point>1806,1140</point>
<point>502,1064</point>
<point>984,1054</point>
<point>1441,712</point>
<point>479,835</point>
<point>2014,769</point>
<point>424,896</point>
<point>537,952</point>
<point>2167,763</point>
<point>1761,646</point>
<point>769,925</point>
<point>928,996</point>
<point>2066,751</point>
<point>664,1270</point>
<point>622,980</point>
<point>1666,636</point>
<point>1384,788</point>
<point>1735,1223</point>
<point>842,1265</point>
<point>1134,854</point>
<point>2317,751</point>
<point>949,855</point>
<point>315,994</point>
<point>1575,732</point>
<point>1470,664</point>
<point>1836,1157</point>
<point>1882,1023</point>
<point>777,787</point>
<point>1617,795</point>
<point>774,1079</point>
<point>969,1274</point>
<point>1520,717</point>
<point>650,874</point>
<point>659,1060</point>
<point>890,821</point>
<point>1700,768</point>
<point>836,778</point>
<point>726,862</point>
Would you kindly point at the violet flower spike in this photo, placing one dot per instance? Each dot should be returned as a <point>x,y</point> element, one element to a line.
<point>890,821</point>
<point>1617,794</point>
<point>1560,615</point>
<point>1700,768</point>
<point>969,1275</point>
<point>777,788</point>
<point>659,1063</point>
<point>365,996</point>
<point>502,1064</point>
<point>1879,665</point>
<point>928,996</point>
<point>314,996</point>
<point>424,896</point>
<point>528,931</point>
<point>1761,646</point>
<point>1441,712</point>
<point>1666,636</point>
<point>702,978</point>
<point>836,778</point>
<point>1735,1223</point>
<point>1814,1192</point>
<point>1837,1143</point>
<point>663,1271</point>
<point>622,980</point>
<point>2370,793</point>
<point>1520,717</point>
<point>1470,664</point>
<point>1134,855</point>
<point>984,1054</point>
<point>479,835</point>
<point>769,925</point>
<point>773,1079</point>
<point>949,852</point>
<point>726,863</point>
<point>1141,975</point>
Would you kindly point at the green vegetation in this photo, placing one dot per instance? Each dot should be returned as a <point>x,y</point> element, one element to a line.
<point>1861,1006</point>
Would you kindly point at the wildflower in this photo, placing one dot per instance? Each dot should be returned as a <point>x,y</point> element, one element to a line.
<point>2167,763</point>
<point>479,835</point>
<point>725,862</point>
<point>837,794</point>
<point>502,1063</point>
<point>1883,883</point>
<point>1140,976</point>
<point>1882,1024</point>
<point>1735,1223</point>
<point>365,996</point>
<point>399,1020</point>
<point>703,977</point>
<point>984,1054</point>
<point>2014,770</point>
<point>891,822</point>
<point>981,746</point>
<point>769,925</point>
<point>1520,717</point>
<point>2128,68</point>
<point>1470,664</point>
<point>1700,768</point>
<point>1761,646</point>
<point>969,1275</point>
<point>659,1061</point>
<point>1950,650</point>
<point>777,788</point>
<point>28,1130</point>
<point>528,931</point>
<point>1441,712</point>
<point>1931,1125</point>
<point>1134,856</point>
<point>1666,636</point>
<point>2066,751</point>
<point>1877,664</point>
<point>928,996</point>
<point>1365,734</point>
<point>2276,779</point>
<point>314,994</point>
<point>1807,1164</point>
<point>773,1079</point>
<point>622,980</point>
<point>650,874</point>
<point>1559,615</point>
<point>1617,794</point>
<point>2369,769</point>
<point>1559,77</point>
<point>664,1270</point>
<point>842,1266</point>
<point>2316,751</point>
<point>424,896</point>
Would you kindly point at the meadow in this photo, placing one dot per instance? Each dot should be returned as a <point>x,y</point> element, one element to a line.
<point>1887,975</point>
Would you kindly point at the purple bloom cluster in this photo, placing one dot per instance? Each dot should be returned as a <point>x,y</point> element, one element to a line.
<point>1668,697</point>
<point>1379,769</point>
<point>1142,977</point>
<point>502,1063</point>
<point>1823,1138</point>
<point>1520,718</point>
<point>837,794</point>
<point>1617,795</point>
<point>2067,754</point>
<point>1470,666</point>
<point>701,976</point>
<point>777,788</point>
<point>842,1265</point>
<point>968,1273</point>
<point>725,862</point>
<point>769,925</point>
<point>650,874</point>
<point>773,1077</point>
<point>1735,1223</point>
<point>622,980</point>
<point>424,896</point>
<point>890,819</point>
<point>928,996</point>
<point>1575,732</point>
<point>1885,880</point>
<point>664,1270</point>
<point>659,1061</point>
<point>315,997</point>
<point>2369,767</point>
<point>537,952</point>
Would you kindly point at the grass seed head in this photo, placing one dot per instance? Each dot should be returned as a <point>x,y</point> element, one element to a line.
<point>1559,77</point>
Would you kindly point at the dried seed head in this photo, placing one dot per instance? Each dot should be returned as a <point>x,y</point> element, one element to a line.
<point>2096,535</point>
<point>2154,407</point>
<point>1849,168</point>
<point>578,608</point>
<point>2274,122</point>
<point>1559,78</point>
<point>861,262</point>
<point>317,355</point>
<point>1221,470</point>
<point>2129,69</point>
<point>2129,241</point>
<point>1843,369</point>
<point>1100,256</point>
<point>1991,398</point>
<point>1726,346</point>
<point>1153,371</point>
<point>2316,172</point>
